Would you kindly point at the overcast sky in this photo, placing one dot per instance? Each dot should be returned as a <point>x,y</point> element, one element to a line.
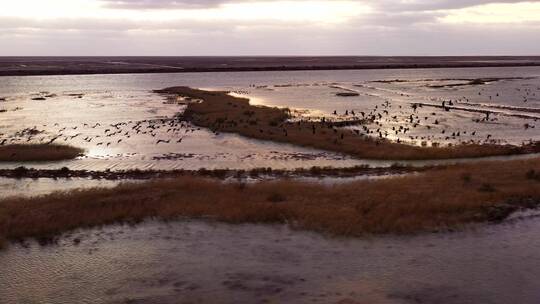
<point>251,27</point>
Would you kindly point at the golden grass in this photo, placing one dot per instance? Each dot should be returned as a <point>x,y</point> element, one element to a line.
<point>224,113</point>
<point>433,200</point>
<point>37,152</point>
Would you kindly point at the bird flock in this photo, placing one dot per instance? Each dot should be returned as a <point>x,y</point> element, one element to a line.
<point>415,122</point>
<point>159,131</point>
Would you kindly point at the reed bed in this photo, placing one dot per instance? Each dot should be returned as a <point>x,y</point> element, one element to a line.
<point>434,200</point>
<point>225,113</point>
<point>38,152</point>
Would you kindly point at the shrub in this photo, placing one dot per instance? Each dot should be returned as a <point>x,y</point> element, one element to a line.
<point>466,177</point>
<point>532,174</point>
<point>276,198</point>
<point>487,188</point>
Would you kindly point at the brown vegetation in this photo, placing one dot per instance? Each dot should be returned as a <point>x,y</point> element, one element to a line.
<point>136,174</point>
<point>224,113</point>
<point>433,200</point>
<point>37,152</point>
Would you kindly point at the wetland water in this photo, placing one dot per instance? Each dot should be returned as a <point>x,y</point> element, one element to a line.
<point>204,262</point>
<point>201,262</point>
<point>123,125</point>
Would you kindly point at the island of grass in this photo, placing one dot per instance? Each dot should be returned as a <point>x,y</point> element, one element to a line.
<point>441,199</point>
<point>38,152</point>
<point>222,112</point>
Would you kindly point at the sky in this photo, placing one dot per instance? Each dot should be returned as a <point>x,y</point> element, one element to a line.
<point>268,27</point>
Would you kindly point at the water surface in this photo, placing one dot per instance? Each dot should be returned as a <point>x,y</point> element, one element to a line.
<point>204,262</point>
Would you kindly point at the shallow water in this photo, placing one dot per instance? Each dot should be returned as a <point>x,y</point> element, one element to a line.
<point>514,106</point>
<point>26,187</point>
<point>31,187</point>
<point>105,124</point>
<point>73,106</point>
<point>204,262</point>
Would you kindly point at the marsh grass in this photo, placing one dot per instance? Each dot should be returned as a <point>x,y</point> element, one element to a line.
<point>533,174</point>
<point>38,152</point>
<point>224,113</point>
<point>433,200</point>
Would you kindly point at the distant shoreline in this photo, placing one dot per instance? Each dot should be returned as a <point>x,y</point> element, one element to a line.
<point>55,66</point>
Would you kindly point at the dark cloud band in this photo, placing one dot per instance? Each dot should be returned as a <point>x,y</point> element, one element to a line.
<point>384,5</point>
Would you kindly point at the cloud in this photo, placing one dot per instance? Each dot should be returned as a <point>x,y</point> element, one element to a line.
<point>224,39</point>
<point>161,4</point>
<point>383,5</point>
<point>165,27</point>
<point>435,5</point>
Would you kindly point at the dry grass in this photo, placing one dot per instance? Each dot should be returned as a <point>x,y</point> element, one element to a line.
<point>439,199</point>
<point>37,152</point>
<point>224,113</point>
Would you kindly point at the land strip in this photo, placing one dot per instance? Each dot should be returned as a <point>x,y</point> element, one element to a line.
<point>431,201</point>
<point>222,112</point>
<point>23,172</point>
<point>38,152</point>
<point>26,66</point>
